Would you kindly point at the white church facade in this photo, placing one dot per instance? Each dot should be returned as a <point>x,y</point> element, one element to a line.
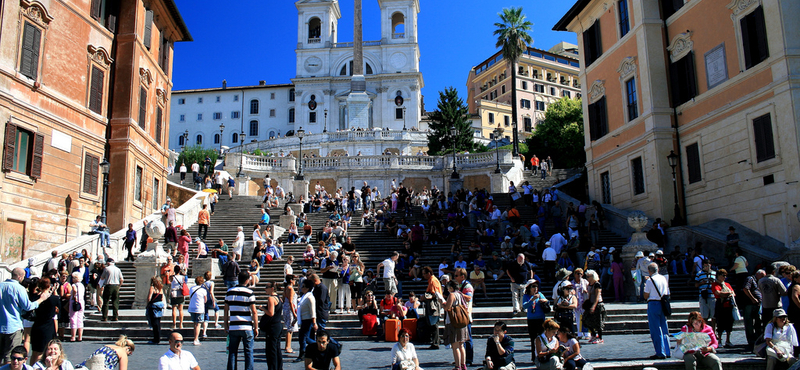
<point>317,98</point>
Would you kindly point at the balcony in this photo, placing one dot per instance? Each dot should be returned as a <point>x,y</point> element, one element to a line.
<point>400,35</point>
<point>314,40</point>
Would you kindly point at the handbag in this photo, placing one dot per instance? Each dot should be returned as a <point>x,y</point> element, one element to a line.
<point>587,304</point>
<point>666,306</point>
<point>760,345</point>
<point>184,287</point>
<point>76,304</point>
<point>546,307</point>
<point>407,365</point>
<point>459,317</point>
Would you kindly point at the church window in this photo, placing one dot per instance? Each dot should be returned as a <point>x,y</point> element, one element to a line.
<point>253,128</point>
<point>398,26</point>
<point>347,69</point>
<point>314,30</point>
<point>312,117</point>
<point>199,139</point>
<point>254,106</point>
<point>369,69</point>
<point>291,94</point>
<point>216,138</point>
<point>235,137</point>
<point>291,115</point>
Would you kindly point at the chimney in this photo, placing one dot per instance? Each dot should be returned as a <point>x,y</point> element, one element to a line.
<point>262,83</point>
<point>224,84</point>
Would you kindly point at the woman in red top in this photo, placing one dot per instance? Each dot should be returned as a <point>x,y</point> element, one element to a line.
<point>183,247</point>
<point>703,355</point>
<point>724,309</point>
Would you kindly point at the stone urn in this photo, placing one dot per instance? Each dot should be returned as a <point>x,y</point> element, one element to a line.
<point>149,262</point>
<point>639,242</point>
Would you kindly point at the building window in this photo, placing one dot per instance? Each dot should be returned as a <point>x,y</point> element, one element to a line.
<point>272,96</point>
<point>142,107</point>
<point>538,88</point>
<point>312,117</point>
<point>163,53</point>
<point>398,113</point>
<point>235,114</point>
<point>592,48</point>
<point>539,105</point>
<point>216,138</point>
<point>182,118</point>
<point>524,85</point>
<point>235,137</point>
<point>598,120</point>
<point>491,117</point>
<point>669,7</point>
<point>181,101</point>
<point>271,134</point>
<point>525,103</point>
<point>566,94</point>
<point>638,175</point>
<point>507,120</point>
<point>765,144</point>
<point>199,116</point>
<point>137,184</point>
<point>217,115</point>
<point>624,22</point>
<point>254,106</point>
<point>159,116</point>
<point>156,186</point>
<point>528,124</point>
<point>200,100</point>
<point>605,186</point>
<point>199,139</point>
<point>91,173</point>
<point>693,163</point>
<point>633,106</point>
<point>218,98</point>
<point>106,13</point>
<point>291,94</point>
<point>682,79</point>
<point>148,28</point>
<point>553,91</point>
<point>272,112</point>
<point>236,97</point>
<point>96,90</point>
<point>253,128</point>
<point>291,115</point>
<point>503,89</point>
<point>181,140</point>
<point>754,38</point>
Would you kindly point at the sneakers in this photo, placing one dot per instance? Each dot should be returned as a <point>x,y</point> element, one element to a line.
<point>728,345</point>
<point>218,326</point>
<point>197,343</point>
<point>596,341</point>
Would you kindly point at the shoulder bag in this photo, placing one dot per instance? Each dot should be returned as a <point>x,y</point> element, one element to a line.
<point>184,287</point>
<point>545,305</point>
<point>459,317</point>
<point>76,304</point>
<point>666,307</point>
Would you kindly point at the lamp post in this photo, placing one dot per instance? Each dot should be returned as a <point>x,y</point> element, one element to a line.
<point>242,136</point>
<point>497,133</point>
<point>104,168</point>
<point>221,130</point>
<point>185,139</point>
<point>673,162</point>
<point>515,137</point>
<point>325,127</point>
<point>453,133</point>
<point>404,118</point>
<point>300,133</point>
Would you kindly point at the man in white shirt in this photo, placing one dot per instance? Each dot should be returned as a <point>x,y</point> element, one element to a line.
<point>176,358</point>
<point>549,257</point>
<point>389,281</point>
<point>557,241</point>
<point>655,288</point>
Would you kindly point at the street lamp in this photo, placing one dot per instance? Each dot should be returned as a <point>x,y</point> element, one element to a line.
<point>241,154</point>
<point>673,162</point>
<point>300,133</point>
<point>497,133</point>
<point>221,130</point>
<point>404,118</point>
<point>104,168</point>
<point>453,133</point>
<point>185,139</point>
<point>325,128</point>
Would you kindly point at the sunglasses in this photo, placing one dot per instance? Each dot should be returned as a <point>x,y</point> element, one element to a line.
<point>177,341</point>
<point>17,358</point>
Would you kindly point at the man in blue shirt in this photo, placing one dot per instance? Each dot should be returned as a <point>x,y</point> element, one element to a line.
<point>13,302</point>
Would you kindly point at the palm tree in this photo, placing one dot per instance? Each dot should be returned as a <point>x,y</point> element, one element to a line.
<point>512,36</point>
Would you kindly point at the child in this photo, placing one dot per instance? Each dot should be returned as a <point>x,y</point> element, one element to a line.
<point>398,311</point>
<point>411,306</point>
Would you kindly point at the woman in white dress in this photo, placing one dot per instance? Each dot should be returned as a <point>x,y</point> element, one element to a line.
<point>238,244</point>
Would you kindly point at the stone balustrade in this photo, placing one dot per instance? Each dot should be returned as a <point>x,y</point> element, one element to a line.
<point>380,138</point>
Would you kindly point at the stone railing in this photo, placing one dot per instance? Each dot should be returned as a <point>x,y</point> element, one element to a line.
<point>417,138</point>
<point>185,215</point>
<point>350,44</point>
<point>372,162</point>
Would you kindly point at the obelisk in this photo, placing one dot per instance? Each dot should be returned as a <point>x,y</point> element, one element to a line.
<point>358,101</point>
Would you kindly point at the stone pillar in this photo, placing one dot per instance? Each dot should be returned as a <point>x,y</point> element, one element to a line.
<point>148,263</point>
<point>243,185</point>
<point>287,220</point>
<point>497,183</point>
<point>456,184</point>
<point>300,188</point>
<point>296,208</point>
<point>201,265</point>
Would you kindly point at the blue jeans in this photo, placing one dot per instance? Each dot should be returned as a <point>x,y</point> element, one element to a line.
<point>641,288</point>
<point>306,333</point>
<point>659,332</point>
<point>246,338</point>
<point>104,237</point>
<point>468,345</point>
<point>231,284</point>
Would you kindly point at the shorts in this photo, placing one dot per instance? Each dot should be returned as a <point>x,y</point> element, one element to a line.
<point>216,309</point>
<point>390,285</point>
<point>707,307</point>
<point>198,318</point>
<point>177,300</point>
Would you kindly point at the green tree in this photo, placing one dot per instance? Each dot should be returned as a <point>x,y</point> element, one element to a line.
<point>450,111</point>
<point>197,154</point>
<point>513,38</point>
<point>560,135</point>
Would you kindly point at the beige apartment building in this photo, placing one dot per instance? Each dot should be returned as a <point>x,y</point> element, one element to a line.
<point>714,81</point>
<point>542,78</point>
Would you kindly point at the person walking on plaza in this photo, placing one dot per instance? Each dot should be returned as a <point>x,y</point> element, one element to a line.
<point>176,358</point>
<point>289,311</point>
<point>499,349</point>
<point>453,336</point>
<point>203,221</point>
<point>197,307</point>
<point>704,355</point>
<point>177,299</point>
<point>704,279</point>
<point>114,279</point>
<point>655,288</point>
<point>772,289</point>
<point>271,327</point>
<point>749,303</point>
<point>519,272</point>
<point>241,321</point>
<point>430,300</point>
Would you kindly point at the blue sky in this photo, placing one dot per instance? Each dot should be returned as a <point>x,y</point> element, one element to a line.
<point>244,42</point>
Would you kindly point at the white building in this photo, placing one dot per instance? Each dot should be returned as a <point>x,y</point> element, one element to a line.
<point>321,85</point>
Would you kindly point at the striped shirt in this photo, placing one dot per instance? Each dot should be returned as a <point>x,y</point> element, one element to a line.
<point>239,300</point>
